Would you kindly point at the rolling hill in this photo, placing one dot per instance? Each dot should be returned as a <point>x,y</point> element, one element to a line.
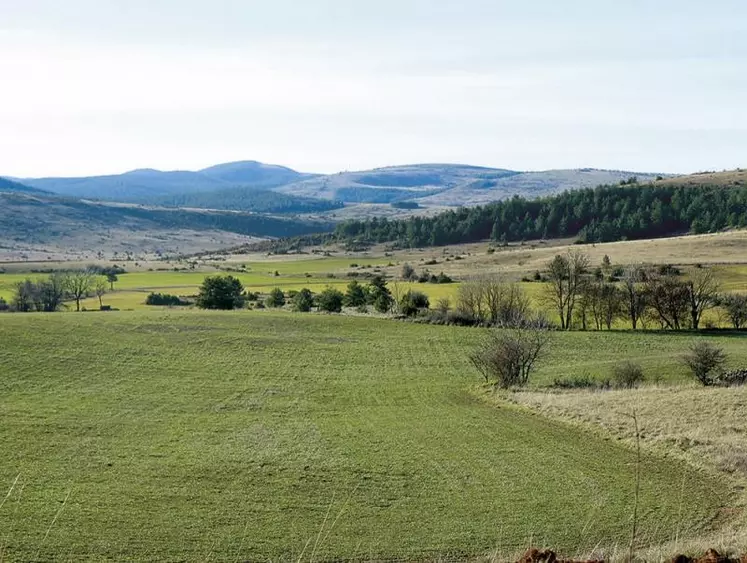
<point>16,187</point>
<point>450,185</point>
<point>141,185</point>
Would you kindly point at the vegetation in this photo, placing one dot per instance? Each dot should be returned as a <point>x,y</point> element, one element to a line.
<point>602,214</point>
<point>330,300</point>
<point>165,299</point>
<point>413,302</point>
<point>220,292</point>
<point>165,418</point>
<point>705,361</point>
<point>276,298</point>
<point>628,375</point>
<point>303,301</point>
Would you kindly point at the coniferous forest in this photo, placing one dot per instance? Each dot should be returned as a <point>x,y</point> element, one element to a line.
<point>602,214</point>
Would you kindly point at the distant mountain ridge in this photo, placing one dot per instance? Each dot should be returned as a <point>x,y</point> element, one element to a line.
<point>142,184</point>
<point>233,185</point>
<point>7,185</point>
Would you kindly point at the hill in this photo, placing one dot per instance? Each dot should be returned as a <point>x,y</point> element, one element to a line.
<point>16,187</point>
<point>140,185</point>
<point>452,185</point>
<point>31,218</point>
<point>248,199</point>
<point>725,178</point>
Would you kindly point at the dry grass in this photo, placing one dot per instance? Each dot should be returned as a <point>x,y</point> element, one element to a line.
<point>705,427</point>
<point>725,178</point>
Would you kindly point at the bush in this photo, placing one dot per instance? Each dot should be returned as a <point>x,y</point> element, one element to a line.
<point>4,305</point>
<point>355,296</point>
<point>383,303</point>
<point>276,298</point>
<point>627,375</point>
<point>506,358</point>
<point>164,299</point>
<point>580,382</point>
<point>732,378</point>
<point>408,272</point>
<point>330,300</point>
<point>705,361</point>
<point>303,301</point>
<point>221,292</point>
<point>412,302</point>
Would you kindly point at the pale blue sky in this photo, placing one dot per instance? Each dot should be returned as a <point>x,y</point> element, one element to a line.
<point>103,86</point>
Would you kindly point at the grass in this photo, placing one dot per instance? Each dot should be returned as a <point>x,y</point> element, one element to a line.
<point>704,427</point>
<point>185,435</point>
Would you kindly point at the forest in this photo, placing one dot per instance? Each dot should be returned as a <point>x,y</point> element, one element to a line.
<point>603,214</point>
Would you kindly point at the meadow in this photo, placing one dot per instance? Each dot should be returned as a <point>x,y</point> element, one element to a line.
<point>188,435</point>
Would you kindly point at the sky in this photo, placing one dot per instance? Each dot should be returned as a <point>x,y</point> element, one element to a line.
<point>104,86</point>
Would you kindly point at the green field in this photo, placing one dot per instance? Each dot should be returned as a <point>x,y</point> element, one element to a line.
<point>274,436</point>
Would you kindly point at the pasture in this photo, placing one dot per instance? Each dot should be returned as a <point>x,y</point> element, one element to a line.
<point>186,435</point>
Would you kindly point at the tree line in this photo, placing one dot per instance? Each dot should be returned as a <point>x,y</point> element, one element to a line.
<point>49,294</point>
<point>602,214</point>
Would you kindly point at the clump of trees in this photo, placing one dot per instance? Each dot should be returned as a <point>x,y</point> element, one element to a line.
<point>220,292</point>
<point>50,293</point>
<point>165,300</point>
<point>492,301</point>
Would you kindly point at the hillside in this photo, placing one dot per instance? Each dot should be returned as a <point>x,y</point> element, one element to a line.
<point>43,219</point>
<point>450,185</point>
<point>139,185</point>
<point>16,187</point>
<point>248,199</point>
<point>725,178</point>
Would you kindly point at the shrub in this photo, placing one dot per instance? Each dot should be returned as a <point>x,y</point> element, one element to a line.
<point>506,358</point>
<point>412,302</point>
<point>330,300</point>
<point>705,361</point>
<point>383,303</point>
<point>4,305</point>
<point>164,299</point>
<point>627,375</point>
<point>303,301</point>
<point>355,296</point>
<point>408,272</point>
<point>580,382</point>
<point>276,298</point>
<point>732,378</point>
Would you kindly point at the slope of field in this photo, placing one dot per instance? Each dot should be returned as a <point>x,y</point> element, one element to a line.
<point>186,436</point>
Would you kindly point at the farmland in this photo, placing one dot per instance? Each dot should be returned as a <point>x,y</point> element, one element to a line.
<point>195,435</point>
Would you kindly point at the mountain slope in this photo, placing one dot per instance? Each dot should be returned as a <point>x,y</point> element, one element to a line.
<point>140,185</point>
<point>33,218</point>
<point>449,184</point>
<point>11,186</point>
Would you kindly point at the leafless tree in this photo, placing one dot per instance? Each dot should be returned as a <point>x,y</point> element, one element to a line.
<point>669,298</point>
<point>736,308</point>
<point>703,293</point>
<point>79,285</point>
<point>100,289</point>
<point>634,294</point>
<point>566,274</point>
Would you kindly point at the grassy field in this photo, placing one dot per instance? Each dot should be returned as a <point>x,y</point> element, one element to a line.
<point>276,436</point>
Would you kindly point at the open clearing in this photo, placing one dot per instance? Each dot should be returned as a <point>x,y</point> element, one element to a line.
<point>198,436</point>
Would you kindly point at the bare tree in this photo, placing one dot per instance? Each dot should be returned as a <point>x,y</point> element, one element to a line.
<point>669,298</point>
<point>100,289</point>
<point>736,308</point>
<point>470,300</point>
<point>79,285</point>
<point>703,294</point>
<point>634,300</point>
<point>566,274</point>
<point>507,357</point>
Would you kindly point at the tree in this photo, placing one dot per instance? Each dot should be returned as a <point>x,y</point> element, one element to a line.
<point>79,285</point>
<point>507,357</point>
<point>112,278</point>
<point>303,301</point>
<point>355,296</point>
<point>705,361</point>
<point>566,276</point>
<point>275,299</point>
<point>413,302</point>
<point>51,293</point>
<point>703,294</point>
<point>23,296</point>
<point>379,295</point>
<point>634,301</point>
<point>735,305</point>
<point>669,298</point>
<point>330,300</point>
<point>100,290</point>
<point>220,292</point>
